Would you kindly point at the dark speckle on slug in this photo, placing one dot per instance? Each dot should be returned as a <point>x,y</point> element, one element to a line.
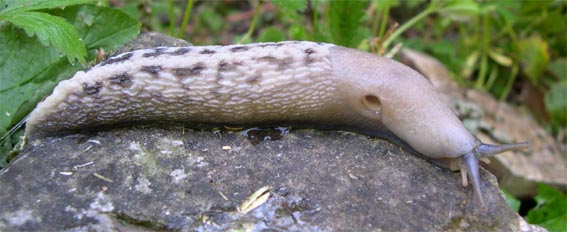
<point>191,71</point>
<point>92,89</point>
<point>239,49</point>
<point>308,58</point>
<point>223,66</point>
<point>152,69</point>
<point>118,59</point>
<point>271,45</point>
<point>253,79</point>
<point>122,79</point>
<point>282,63</point>
<point>181,51</point>
<point>156,52</point>
<point>207,51</point>
<point>269,59</point>
<point>309,51</point>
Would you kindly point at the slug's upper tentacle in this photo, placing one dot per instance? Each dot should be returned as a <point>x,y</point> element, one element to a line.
<point>469,163</point>
<point>485,150</point>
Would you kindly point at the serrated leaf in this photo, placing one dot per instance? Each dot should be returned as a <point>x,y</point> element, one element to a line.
<point>51,30</point>
<point>101,27</point>
<point>29,70</point>
<point>29,61</point>
<point>345,21</point>
<point>16,7</point>
<point>291,4</point>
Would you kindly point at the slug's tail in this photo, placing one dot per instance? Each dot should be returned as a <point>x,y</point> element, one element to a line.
<point>469,163</point>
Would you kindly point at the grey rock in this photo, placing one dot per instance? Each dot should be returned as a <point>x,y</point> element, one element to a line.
<point>181,179</point>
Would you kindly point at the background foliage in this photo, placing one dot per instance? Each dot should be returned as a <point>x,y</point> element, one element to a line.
<point>517,50</point>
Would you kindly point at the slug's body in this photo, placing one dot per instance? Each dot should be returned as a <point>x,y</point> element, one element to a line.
<point>268,83</point>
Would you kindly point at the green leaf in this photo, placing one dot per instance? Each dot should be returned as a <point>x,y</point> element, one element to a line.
<point>413,4</point>
<point>290,4</point>
<point>51,30</point>
<point>381,4</point>
<point>346,21</point>
<point>534,57</point>
<point>29,70</point>
<point>28,74</point>
<point>18,6</point>
<point>500,58</point>
<point>297,32</point>
<point>212,20</point>
<point>551,209</point>
<point>555,103</point>
<point>271,34</point>
<point>512,201</point>
<point>558,67</point>
<point>101,27</point>
<point>460,10</point>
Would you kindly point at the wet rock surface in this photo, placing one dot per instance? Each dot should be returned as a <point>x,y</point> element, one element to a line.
<point>181,179</point>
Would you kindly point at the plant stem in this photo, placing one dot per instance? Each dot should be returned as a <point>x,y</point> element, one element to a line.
<point>482,71</point>
<point>186,15</point>
<point>171,17</point>
<point>314,20</point>
<point>485,47</point>
<point>384,20</point>
<point>253,23</point>
<point>430,9</point>
<point>375,20</point>
<point>491,77</point>
<point>510,83</point>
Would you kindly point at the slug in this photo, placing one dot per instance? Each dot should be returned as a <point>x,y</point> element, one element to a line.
<point>292,83</point>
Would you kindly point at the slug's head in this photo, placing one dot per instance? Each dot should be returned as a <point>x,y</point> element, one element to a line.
<point>386,94</point>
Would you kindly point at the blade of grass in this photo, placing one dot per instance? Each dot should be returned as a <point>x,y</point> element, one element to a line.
<point>430,9</point>
<point>510,83</point>
<point>253,23</point>
<point>186,15</point>
<point>171,17</point>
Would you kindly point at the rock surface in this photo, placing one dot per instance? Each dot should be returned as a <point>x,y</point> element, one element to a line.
<point>181,179</point>
<point>155,178</point>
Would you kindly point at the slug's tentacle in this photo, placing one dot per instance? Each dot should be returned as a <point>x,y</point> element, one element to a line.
<point>486,150</point>
<point>469,163</point>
